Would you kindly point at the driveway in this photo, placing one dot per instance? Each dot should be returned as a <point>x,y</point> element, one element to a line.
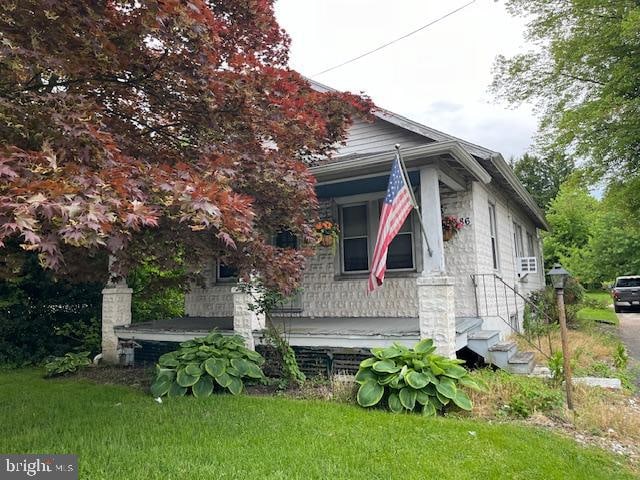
<point>630,334</point>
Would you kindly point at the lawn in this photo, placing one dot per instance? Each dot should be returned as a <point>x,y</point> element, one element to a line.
<point>119,432</point>
<point>603,313</point>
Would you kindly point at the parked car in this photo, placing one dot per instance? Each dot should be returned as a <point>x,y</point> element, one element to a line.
<point>626,292</point>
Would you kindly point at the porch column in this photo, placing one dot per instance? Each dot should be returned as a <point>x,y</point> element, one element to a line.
<point>245,321</point>
<point>437,312</point>
<point>436,301</point>
<point>432,221</point>
<point>116,310</point>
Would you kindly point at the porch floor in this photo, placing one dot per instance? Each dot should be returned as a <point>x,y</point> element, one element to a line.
<point>348,326</point>
<point>177,329</point>
<point>356,332</point>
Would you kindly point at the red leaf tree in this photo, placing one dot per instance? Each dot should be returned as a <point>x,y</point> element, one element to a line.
<point>168,129</point>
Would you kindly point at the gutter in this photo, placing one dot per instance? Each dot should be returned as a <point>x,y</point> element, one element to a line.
<point>413,156</point>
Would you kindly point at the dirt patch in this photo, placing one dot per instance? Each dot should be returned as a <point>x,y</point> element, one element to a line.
<point>135,377</point>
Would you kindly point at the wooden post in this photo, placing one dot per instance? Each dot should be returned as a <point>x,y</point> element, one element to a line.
<point>565,347</point>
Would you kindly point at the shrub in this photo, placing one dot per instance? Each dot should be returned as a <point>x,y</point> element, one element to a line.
<point>545,302</point>
<point>202,364</point>
<point>87,333</point>
<point>69,363</point>
<point>412,379</point>
<point>620,357</point>
<point>157,293</point>
<point>556,367</point>
<point>530,400</point>
<point>34,305</point>
<point>514,395</point>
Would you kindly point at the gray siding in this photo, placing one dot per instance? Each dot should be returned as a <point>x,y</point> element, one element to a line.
<point>378,136</point>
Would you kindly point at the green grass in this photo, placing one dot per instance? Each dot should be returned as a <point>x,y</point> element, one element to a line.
<point>122,433</point>
<point>604,315</point>
<point>600,296</point>
<point>598,315</point>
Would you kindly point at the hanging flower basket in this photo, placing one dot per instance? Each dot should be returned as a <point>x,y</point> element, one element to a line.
<point>327,234</point>
<point>326,241</point>
<point>448,235</point>
<point>450,226</point>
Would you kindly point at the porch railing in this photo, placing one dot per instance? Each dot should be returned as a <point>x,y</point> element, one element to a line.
<point>493,298</point>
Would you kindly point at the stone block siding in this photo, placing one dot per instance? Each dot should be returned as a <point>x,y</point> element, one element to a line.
<point>460,252</point>
<point>326,294</point>
<point>116,310</point>
<point>212,301</point>
<point>499,300</point>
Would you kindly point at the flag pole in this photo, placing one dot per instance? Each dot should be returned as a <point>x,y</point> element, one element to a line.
<point>405,174</point>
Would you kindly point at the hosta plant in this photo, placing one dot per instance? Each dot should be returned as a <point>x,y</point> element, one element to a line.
<point>413,379</point>
<point>203,364</point>
<point>69,363</point>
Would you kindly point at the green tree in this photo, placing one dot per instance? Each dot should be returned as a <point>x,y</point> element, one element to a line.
<point>584,74</point>
<point>542,176</point>
<point>614,247</point>
<point>144,128</point>
<point>571,215</point>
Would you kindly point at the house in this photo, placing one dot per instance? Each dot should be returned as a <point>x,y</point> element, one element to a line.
<point>467,292</point>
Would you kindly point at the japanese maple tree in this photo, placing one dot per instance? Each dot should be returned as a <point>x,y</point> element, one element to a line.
<point>166,129</point>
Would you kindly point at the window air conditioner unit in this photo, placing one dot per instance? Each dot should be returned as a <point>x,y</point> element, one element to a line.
<point>527,265</point>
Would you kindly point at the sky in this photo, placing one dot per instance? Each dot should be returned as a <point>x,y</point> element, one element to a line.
<point>439,76</point>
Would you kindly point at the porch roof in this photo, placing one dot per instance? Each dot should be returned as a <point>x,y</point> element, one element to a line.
<point>449,155</point>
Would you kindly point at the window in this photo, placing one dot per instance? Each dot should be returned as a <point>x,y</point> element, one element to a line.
<point>226,272</point>
<point>283,239</point>
<point>286,239</point>
<point>493,228</point>
<point>517,240</point>
<point>531,249</point>
<point>628,282</point>
<point>355,238</point>
<point>358,238</point>
<point>400,254</point>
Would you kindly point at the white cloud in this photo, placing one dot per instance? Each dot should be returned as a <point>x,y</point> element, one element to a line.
<point>438,76</point>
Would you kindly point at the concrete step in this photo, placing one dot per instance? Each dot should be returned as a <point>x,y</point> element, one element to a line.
<point>500,353</point>
<point>464,326</point>
<point>480,341</point>
<point>521,363</point>
<point>467,324</point>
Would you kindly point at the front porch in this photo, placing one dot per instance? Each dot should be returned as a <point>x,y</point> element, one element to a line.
<point>422,295</point>
<point>322,345</point>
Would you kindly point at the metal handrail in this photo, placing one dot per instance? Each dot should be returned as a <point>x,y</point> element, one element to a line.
<point>500,284</point>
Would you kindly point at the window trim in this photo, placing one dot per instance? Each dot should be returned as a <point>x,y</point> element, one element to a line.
<point>531,246</point>
<point>411,232</point>
<point>343,238</point>
<point>219,279</point>
<point>518,240</point>
<point>493,235</point>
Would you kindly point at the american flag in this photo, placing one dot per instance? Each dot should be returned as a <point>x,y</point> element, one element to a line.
<point>395,208</point>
